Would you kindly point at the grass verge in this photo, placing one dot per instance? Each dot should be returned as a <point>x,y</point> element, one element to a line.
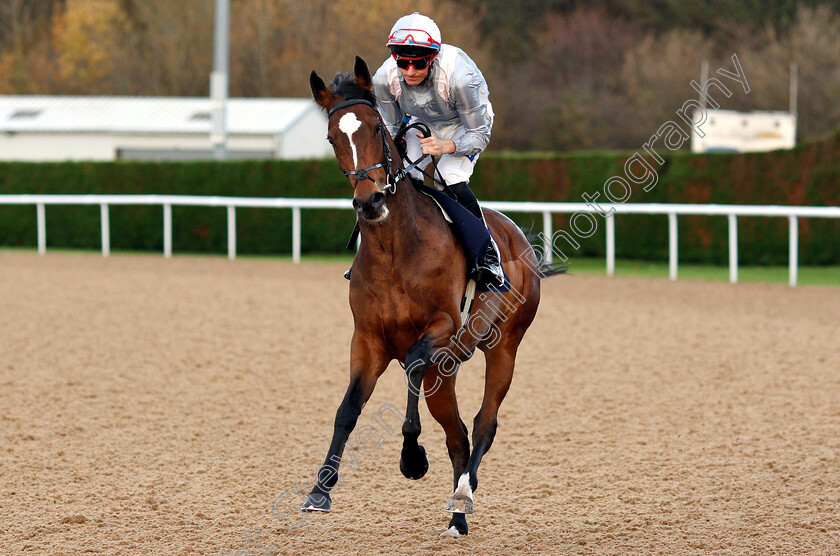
<point>808,275</point>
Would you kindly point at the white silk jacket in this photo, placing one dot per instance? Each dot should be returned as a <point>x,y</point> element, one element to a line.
<point>453,100</point>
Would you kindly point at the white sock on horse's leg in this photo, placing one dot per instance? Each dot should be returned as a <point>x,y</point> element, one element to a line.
<point>451,533</point>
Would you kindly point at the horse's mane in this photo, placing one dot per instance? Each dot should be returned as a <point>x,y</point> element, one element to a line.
<point>345,85</point>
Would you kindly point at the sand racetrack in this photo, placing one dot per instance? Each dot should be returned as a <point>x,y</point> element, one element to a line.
<point>152,406</point>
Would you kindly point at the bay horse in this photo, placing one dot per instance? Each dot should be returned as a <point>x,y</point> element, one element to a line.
<point>408,279</point>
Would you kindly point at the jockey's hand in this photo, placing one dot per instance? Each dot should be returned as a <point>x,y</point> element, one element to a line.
<point>435,146</point>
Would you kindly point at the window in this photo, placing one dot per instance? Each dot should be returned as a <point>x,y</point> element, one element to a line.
<point>25,114</point>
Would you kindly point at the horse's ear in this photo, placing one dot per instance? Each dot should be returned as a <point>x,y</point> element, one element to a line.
<point>322,95</point>
<point>362,74</point>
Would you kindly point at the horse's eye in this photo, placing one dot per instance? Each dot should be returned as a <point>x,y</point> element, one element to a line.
<point>330,140</point>
<point>377,129</point>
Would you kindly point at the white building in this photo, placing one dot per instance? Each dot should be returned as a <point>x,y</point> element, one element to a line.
<point>55,128</point>
<point>732,131</point>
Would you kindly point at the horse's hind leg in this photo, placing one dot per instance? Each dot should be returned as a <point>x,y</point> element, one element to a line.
<point>443,406</point>
<point>500,362</point>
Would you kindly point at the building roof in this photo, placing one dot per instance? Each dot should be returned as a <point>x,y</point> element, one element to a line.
<point>167,115</point>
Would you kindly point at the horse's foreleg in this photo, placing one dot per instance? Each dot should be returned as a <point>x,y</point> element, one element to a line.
<point>413,460</point>
<point>367,365</point>
<point>443,405</point>
<point>500,362</point>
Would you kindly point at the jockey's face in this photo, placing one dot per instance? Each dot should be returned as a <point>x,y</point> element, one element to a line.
<point>414,76</point>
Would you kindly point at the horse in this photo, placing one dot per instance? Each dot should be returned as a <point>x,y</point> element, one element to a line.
<point>409,277</point>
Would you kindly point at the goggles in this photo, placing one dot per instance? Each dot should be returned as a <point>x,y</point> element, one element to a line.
<point>419,62</point>
<point>413,37</point>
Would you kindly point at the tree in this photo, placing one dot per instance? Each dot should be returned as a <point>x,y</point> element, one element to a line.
<point>21,21</point>
<point>172,47</point>
<point>87,35</point>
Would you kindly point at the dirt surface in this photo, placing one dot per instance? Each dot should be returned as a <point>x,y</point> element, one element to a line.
<point>152,406</point>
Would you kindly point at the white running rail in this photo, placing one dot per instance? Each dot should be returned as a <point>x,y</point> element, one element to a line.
<point>792,213</point>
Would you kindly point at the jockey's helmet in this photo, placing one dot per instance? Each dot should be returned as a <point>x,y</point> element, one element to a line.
<point>414,36</point>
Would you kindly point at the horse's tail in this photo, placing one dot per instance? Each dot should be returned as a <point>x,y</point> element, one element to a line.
<point>553,269</point>
<point>547,270</point>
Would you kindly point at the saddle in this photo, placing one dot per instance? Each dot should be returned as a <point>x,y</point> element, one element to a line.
<point>475,237</point>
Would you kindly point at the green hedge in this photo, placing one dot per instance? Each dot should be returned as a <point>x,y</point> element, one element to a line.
<point>194,229</point>
<point>807,175</point>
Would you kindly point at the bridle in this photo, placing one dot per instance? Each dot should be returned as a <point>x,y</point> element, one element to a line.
<point>363,173</point>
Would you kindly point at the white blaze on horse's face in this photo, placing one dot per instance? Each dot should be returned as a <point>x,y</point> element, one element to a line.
<point>349,124</point>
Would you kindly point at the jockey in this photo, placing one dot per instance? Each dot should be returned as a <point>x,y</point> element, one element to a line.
<point>439,85</point>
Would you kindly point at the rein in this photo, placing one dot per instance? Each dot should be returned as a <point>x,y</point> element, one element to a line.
<point>362,173</point>
<point>424,129</point>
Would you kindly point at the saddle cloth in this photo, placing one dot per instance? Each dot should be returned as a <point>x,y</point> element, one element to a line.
<point>475,237</point>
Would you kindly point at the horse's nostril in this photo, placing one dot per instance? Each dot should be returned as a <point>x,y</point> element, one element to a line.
<point>377,199</point>
<point>371,206</point>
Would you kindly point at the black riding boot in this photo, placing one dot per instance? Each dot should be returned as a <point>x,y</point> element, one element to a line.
<point>489,269</point>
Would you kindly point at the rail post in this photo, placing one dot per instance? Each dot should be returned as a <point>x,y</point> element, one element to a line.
<point>733,249</point>
<point>794,250</point>
<point>105,223</point>
<point>547,231</point>
<point>231,223</point>
<point>296,235</point>
<point>611,244</point>
<point>42,228</point>
<point>167,230</point>
<point>672,245</point>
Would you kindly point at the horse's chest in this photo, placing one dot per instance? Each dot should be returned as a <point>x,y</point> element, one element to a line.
<point>405,317</point>
<point>404,310</point>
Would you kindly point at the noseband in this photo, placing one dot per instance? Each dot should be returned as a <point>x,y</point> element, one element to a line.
<point>362,173</point>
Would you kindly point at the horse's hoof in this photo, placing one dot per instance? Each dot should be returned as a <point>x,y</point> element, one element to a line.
<point>462,499</point>
<point>451,533</point>
<point>317,502</point>
<point>414,463</point>
<point>459,522</point>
